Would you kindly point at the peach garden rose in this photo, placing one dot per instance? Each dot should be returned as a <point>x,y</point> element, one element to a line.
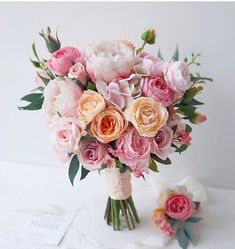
<point>147,115</point>
<point>109,125</point>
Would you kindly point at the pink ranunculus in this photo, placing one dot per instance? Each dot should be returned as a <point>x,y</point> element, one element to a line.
<point>133,150</point>
<point>179,207</point>
<point>153,64</point>
<point>177,75</point>
<point>158,89</point>
<point>61,98</point>
<point>161,143</point>
<point>93,154</point>
<point>64,135</point>
<point>78,72</point>
<point>110,60</point>
<point>39,81</point>
<point>63,59</point>
<point>118,94</point>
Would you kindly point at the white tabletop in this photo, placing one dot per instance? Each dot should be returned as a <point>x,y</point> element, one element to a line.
<point>25,188</point>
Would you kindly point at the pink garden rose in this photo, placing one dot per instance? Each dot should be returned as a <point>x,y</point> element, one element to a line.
<point>61,98</point>
<point>64,136</point>
<point>109,60</point>
<point>133,150</point>
<point>161,143</point>
<point>118,94</point>
<point>177,75</point>
<point>152,63</point>
<point>78,72</point>
<point>93,155</point>
<point>179,207</point>
<point>158,89</point>
<point>63,59</point>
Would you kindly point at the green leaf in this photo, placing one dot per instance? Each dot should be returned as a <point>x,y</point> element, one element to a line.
<point>182,148</point>
<point>182,238</point>
<point>188,232</point>
<point>159,54</point>
<point>44,80</point>
<point>84,173</point>
<point>91,86</point>
<point>153,166</point>
<point>175,57</point>
<point>188,128</point>
<point>73,168</point>
<point>192,92</point>
<point>36,104</point>
<point>41,89</point>
<point>156,158</point>
<point>194,219</point>
<point>196,102</point>
<point>187,110</point>
<point>35,63</point>
<point>143,176</point>
<point>31,97</point>
<point>34,51</point>
<point>174,128</point>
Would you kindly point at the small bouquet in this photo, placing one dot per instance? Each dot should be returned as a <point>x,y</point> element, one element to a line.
<point>115,108</point>
<point>174,213</point>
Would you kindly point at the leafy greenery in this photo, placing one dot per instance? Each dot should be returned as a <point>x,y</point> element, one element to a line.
<point>84,173</point>
<point>91,86</point>
<point>194,219</point>
<point>182,148</point>
<point>153,166</point>
<point>175,56</point>
<point>159,54</point>
<point>182,238</point>
<point>73,168</point>
<point>156,158</point>
<point>35,101</point>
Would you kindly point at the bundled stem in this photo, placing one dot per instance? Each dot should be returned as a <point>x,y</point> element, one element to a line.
<point>116,209</point>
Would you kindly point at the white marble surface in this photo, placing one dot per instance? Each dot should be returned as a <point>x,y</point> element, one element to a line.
<point>25,188</point>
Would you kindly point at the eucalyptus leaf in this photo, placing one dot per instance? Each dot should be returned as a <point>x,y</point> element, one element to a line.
<point>182,238</point>
<point>194,219</point>
<point>73,168</point>
<point>84,173</point>
<point>175,57</point>
<point>188,232</point>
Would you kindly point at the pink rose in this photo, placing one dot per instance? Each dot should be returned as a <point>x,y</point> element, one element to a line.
<point>133,150</point>
<point>179,207</point>
<point>152,63</point>
<point>118,94</point>
<point>61,98</point>
<point>78,72</point>
<point>62,59</point>
<point>93,155</point>
<point>157,89</point>
<point>64,135</point>
<point>161,143</point>
<point>39,81</point>
<point>109,60</point>
<point>177,75</point>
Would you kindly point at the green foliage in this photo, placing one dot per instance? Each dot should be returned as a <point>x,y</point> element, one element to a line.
<point>73,168</point>
<point>91,86</point>
<point>182,148</point>
<point>159,54</point>
<point>156,158</point>
<point>175,56</point>
<point>35,101</point>
<point>44,80</point>
<point>84,173</point>
<point>194,219</point>
<point>153,166</point>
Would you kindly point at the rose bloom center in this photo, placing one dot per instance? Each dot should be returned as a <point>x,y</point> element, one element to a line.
<point>108,124</point>
<point>146,116</point>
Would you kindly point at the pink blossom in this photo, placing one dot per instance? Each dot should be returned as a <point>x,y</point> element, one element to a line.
<point>166,228</point>
<point>179,207</point>
<point>63,59</point>
<point>177,75</point>
<point>200,118</point>
<point>118,94</point>
<point>161,143</point>
<point>152,63</point>
<point>78,72</point>
<point>64,135</point>
<point>133,150</point>
<point>158,89</point>
<point>61,98</point>
<point>93,154</point>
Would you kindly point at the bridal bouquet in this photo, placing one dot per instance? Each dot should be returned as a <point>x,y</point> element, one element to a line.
<point>116,108</point>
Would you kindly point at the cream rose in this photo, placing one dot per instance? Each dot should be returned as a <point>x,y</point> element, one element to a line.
<point>109,125</point>
<point>90,104</point>
<point>147,115</point>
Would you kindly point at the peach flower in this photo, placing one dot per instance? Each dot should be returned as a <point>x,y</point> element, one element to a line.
<point>109,125</point>
<point>90,104</point>
<point>147,115</point>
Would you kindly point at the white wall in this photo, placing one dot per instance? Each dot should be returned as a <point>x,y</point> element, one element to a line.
<point>205,27</point>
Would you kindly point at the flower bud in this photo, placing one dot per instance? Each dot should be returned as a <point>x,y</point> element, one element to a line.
<point>200,118</point>
<point>149,36</point>
<point>52,42</point>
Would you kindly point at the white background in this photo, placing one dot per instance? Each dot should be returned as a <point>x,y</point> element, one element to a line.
<point>198,27</point>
